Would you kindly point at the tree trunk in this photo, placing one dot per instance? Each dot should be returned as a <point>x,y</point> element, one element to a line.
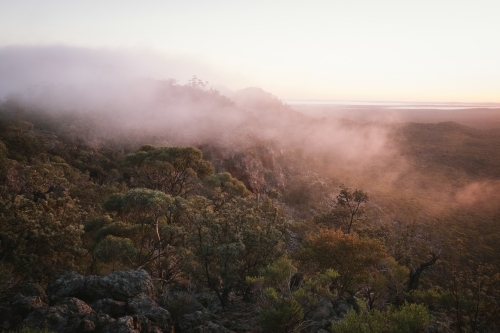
<point>415,273</point>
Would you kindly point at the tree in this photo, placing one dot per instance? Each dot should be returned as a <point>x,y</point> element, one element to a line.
<point>285,305</point>
<point>115,250</point>
<point>351,256</point>
<point>409,244</point>
<point>232,242</point>
<point>223,188</point>
<point>40,238</point>
<point>349,209</point>
<point>177,171</point>
<point>3,160</point>
<point>150,218</point>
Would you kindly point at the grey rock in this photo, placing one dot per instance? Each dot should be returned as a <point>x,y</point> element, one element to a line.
<point>120,286</point>
<point>324,310</point>
<point>144,306</point>
<point>69,315</point>
<point>34,289</point>
<point>340,308</point>
<point>209,327</point>
<point>22,305</point>
<point>114,309</point>
<point>125,324</point>
<point>69,284</point>
<point>191,320</point>
<point>179,304</point>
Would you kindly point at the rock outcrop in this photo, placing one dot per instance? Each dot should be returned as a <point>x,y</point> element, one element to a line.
<point>256,167</point>
<point>124,302</point>
<point>120,302</point>
<point>119,286</point>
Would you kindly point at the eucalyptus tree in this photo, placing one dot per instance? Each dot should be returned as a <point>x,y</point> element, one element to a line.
<point>230,242</point>
<point>177,171</point>
<point>149,219</point>
<point>348,209</point>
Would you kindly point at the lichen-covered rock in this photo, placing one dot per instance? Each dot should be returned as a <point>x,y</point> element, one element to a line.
<point>114,309</point>
<point>209,327</point>
<point>125,324</point>
<point>34,289</point>
<point>69,284</point>
<point>179,304</point>
<point>190,321</point>
<point>119,286</point>
<point>124,296</point>
<point>69,315</point>
<point>340,308</point>
<point>324,310</point>
<point>22,305</point>
<point>145,306</point>
<point>127,284</point>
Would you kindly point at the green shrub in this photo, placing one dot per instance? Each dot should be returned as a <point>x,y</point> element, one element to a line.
<point>409,318</point>
<point>180,304</point>
<point>282,316</point>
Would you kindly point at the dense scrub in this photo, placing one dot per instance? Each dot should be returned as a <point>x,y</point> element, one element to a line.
<point>257,216</point>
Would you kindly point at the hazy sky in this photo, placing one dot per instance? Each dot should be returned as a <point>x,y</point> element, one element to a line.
<point>343,50</point>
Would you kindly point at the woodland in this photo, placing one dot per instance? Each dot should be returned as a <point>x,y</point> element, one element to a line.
<point>244,198</point>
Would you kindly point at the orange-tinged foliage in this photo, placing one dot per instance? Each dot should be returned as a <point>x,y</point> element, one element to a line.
<point>350,255</point>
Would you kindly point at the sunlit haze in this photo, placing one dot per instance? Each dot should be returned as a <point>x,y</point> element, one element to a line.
<point>425,51</point>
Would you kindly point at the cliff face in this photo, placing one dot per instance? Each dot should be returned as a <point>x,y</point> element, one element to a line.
<point>256,167</point>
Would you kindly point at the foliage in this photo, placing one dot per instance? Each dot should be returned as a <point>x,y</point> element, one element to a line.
<point>350,255</point>
<point>3,160</point>
<point>471,290</point>
<point>233,242</point>
<point>174,170</point>
<point>41,238</point>
<point>150,219</point>
<point>284,316</point>
<point>386,284</point>
<point>409,318</point>
<point>284,299</point>
<point>348,210</point>
<point>115,250</point>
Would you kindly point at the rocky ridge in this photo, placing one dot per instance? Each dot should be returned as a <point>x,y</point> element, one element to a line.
<point>126,302</point>
<point>120,302</point>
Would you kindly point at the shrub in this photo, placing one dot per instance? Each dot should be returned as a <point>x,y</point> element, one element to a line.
<point>409,318</point>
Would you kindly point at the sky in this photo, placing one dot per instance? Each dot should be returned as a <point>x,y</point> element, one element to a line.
<point>385,50</point>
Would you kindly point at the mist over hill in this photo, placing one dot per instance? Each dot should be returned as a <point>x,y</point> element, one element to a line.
<point>103,169</point>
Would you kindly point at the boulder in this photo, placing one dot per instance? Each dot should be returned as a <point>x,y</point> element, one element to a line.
<point>119,286</point>
<point>112,308</point>
<point>210,327</point>
<point>69,284</point>
<point>125,324</point>
<point>179,304</point>
<point>340,308</point>
<point>69,315</point>
<point>142,305</point>
<point>22,305</point>
<point>324,310</point>
<point>121,302</point>
<point>190,321</point>
<point>34,289</point>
